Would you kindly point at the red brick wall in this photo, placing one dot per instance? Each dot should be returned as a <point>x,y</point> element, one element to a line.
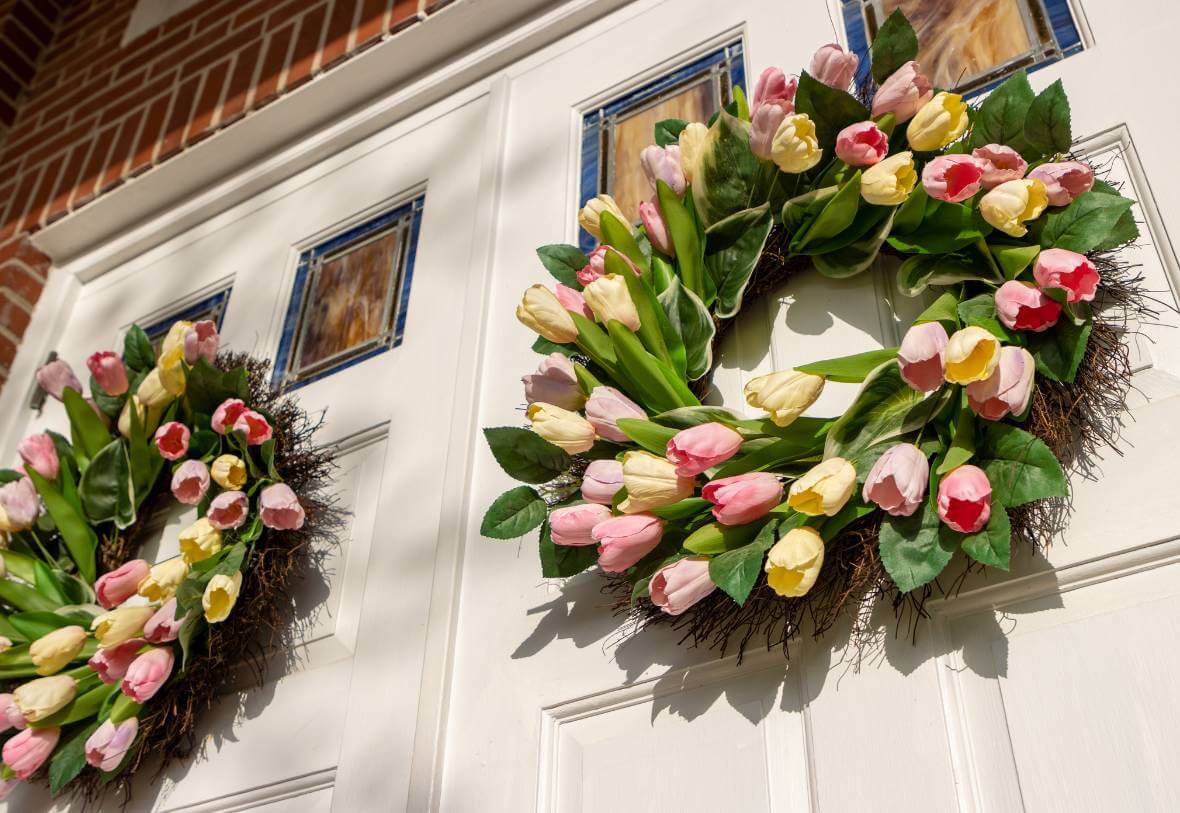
<point>89,113</point>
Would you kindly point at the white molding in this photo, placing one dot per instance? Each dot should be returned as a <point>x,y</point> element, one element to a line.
<point>267,794</point>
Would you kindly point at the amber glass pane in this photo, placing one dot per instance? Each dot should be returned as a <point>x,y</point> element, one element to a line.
<point>346,300</point>
<point>960,39</point>
<point>628,185</point>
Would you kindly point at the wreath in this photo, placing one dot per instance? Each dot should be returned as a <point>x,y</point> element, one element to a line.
<point>958,440</point>
<point>111,659</point>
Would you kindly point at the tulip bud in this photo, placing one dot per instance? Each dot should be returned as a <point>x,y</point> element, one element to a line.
<point>953,178</point>
<point>595,267</point>
<point>564,429</point>
<point>152,392</point>
<point>174,339</point>
<point>824,489</point>
<point>965,499</point>
<point>190,481</point>
<point>163,627</point>
<point>172,440</point>
<point>53,650</point>
<point>226,415</point>
<point>920,357</point>
<point>42,697</point>
<point>834,66</point>
<point>111,663</point>
<point>199,541</point>
<point>741,499</point>
<point>609,298</point>
<point>623,541</point>
<point>693,141</point>
<point>572,526</point>
<point>1009,389</point>
<point>676,587</point>
<point>604,409</point>
<point>656,229</point>
<point>702,447</point>
<point>903,94</point>
<point>555,383</point>
<point>897,482</point>
<point>764,126</point>
<point>1021,306</point>
<point>1064,181</point>
<point>163,580</point>
<point>253,427</point>
<point>170,369</point>
<point>25,753</point>
<point>971,355</point>
<point>793,564</point>
<point>1012,204</point>
<point>201,341</point>
<point>1069,271</point>
<point>109,372</point>
<point>115,587</point>
<point>652,482</point>
<point>774,89</point>
<point>55,377</point>
<point>119,625</point>
<point>939,122</point>
<point>663,164</point>
<point>785,395</point>
<point>590,218</point>
<point>229,472</point>
<point>220,596</point>
<point>10,715</point>
<point>39,454</point>
<point>19,505</point>
<point>109,743</point>
<point>889,182</point>
<point>228,510</point>
<point>601,481</point>
<point>1000,164</point>
<point>280,509</point>
<point>572,300</point>
<point>148,673</point>
<point>862,144</point>
<point>795,147</point>
<point>541,312</point>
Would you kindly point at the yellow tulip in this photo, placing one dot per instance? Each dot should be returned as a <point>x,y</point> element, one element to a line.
<point>163,580</point>
<point>590,218</point>
<point>564,429</point>
<point>152,393</point>
<point>175,338</point>
<point>694,140</point>
<point>1013,203</point>
<point>785,395</point>
<point>971,355</point>
<point>171,371</point>
<point>125,416</point>
<point>121,624</point>
<point>54,650</point>
<point>42,697</point>
<point>940,121</point>
<point>890,181</point>
<point>795,147</point>
<point>199,541</point>
<point>228,471</point>
<point>824,489</point>
<point>793,564</point>
<point>221,593</point>
<point>652,482</point>
<point>541,312</point>
<point>609,298</point>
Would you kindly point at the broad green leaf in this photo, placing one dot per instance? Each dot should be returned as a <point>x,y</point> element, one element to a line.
<point>658,385</point>
<point>1019,466</point>
<point>962,446</point>
<point>946,227</point>
<point>836,216</point>
<point>86,704</point>
<point>992,545</point>
<point>193,624</point>
<point>1059,350</point>
<point>1086,223</point>
<point>24,598</point>
<point>111,405</point>
<point>731,268</point>
<point>206,386</point>
<point>524,455</point>
<point>648,434</point>
<point>69,758</point>
<point>545,347</point>
<point>35,623</point>
<point>910,214</point>
<point>683,509</point>
<point>895,44</point>
<point>689,245</point>
<point>1000,119</point>
<point>75,530</point>
<point>668,131</point>
<point>48,584</point>
<point>18,564</point>
<point>513,514</point>
<point>717,538</point>
<point>1125,230</point>
<point>919,272</point>
<point>915,549</point>
<point>562,561</point>
<point>100,483</point>
<point>725,233</point>
<point>690,319</point>
<point>776,454</point>
<point>857,256</point>
<point>725,176</point>
<point>86,427</point>
<point>736,571</point>
<point>563,262</point>
<point>137,350</point>
<point>1014,259</point>
<point>850,369</point>
<point>618,235</point>
<point>832,110</point>
<point>1047,125</point>
<point>981,312</point>
<point>685,417</point>
<point>651,313</point>
<point>885,408</point>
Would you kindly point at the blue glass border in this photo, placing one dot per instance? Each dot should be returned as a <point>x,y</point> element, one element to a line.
<point>592,121</point>
<point>160,327</point>
<point>411,209</point>
<point>1060,17</point>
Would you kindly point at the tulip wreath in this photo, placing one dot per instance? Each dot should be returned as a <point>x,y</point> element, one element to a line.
<point>957,441</point>
<point>110,659</point>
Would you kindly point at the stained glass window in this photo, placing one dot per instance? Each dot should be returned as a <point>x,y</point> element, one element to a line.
<point>614,133</point>
<point>207,307</point>
<point>350,297</point>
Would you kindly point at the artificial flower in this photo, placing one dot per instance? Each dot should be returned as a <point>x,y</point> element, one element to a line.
<point>541,312</point>
<point>965,499</point>
<point>163,580</point>
<point>903,93</point>
<point>190,481</point>
<point>110,664</point>
<point>39,454</point>
<point>253,427</point>
<point>702,447</point>
<point>889,182</point>
<point>743,498</point>
<point>148,673</point>
<point>10,716</point>
<point>1021,306</point>
<point>164,626</point>
<point>19,505</point>
<point>774,89</point>
<point>920,357</point>
<point>201,341</point>
<point>152,391</point>
<point>109,372</point>
<point>572,526</point>
<point>554,382</point>
<point>971,354</point>
<point>228,471</point>
<point>25,753</point>
<point>793,564</point>
<point>676,587</point>
<point>55,377</point>
<point>834,66</point>
<point>1013,203</point>
<point>279,508</point>
<point>764,124</point>
<point>938,122</point>
<point>172,440</point>
<point>44,696</point>
<point>623,541</point>
<point>53,650</point>
<point>823,489</point>
<point>897,482</point>
<point>590,217</point>
<point>693,140</point>
<point>604,409</point>
<point>221,593</point>
<point>784,395</point>
<point>663,164</point>
<point>1000,164</point>
<point>226,415</point>
<point>795,147</point>
<point>656,228</point>
<point>228,510</point>
<point>566,430</point>
<point>651,482</point>
<point>109,743</point>
<point>119,625</point>
<point>1008,391</point>
<point>120,584</point>
<point>572,300</point>
<point>953,178</point>
<point>862,144</point>
<point>1068,271</point>
<point>200,541</point>
<point>609,298</point>
<point>1064,181</point>
<point>601,481</point>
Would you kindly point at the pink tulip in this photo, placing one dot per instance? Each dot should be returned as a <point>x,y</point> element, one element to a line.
<point>56,376</point>
<point>147,674</point>
<point>676,587</point>
<point>897,481</point>
<point>10,714</point>
<point>164,626</point>
<point>862,144</point>
<point>572,526</point>
<point>1021,306</point>
<point>623,541</point>
<point>172,440</point>
<point>597,266</point>
<point>743,498</point>
<point>764,125</point>
<point>1069,271</point>
<point>953,178</point>
<point>605,407</point>
<point>656,228</point>
<point>109,743</point>
<point>39,454</point>
<point>920,357</point>
<point>28,750</point>
<point>774,89</point>
<point>20,504</point>
<point>663,164</point>
<point>834,66</point>
<point>965,499</point>
<point>190,482</point>
<point>573,300</point>
<point>1001,164</point>
<point>226,415</point>
<point>702,447</point>
<point>119,585</point>
<point>903,94</point>
<point>253,426</point>
<point>554,382</point>
<point>1064,181</point>
<point>601,481</point>
<point>108,370</point>
<point>1008,390</point>
<point>280,509</point>
<point>229,509</point>
<point>111,663</point>
<point>201,342</point>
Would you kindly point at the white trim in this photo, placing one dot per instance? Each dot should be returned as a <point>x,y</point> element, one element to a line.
<point>267,794</point>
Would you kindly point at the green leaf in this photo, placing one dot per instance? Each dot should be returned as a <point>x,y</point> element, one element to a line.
<point>563,262</point>
<point>1001,117</point>
<point>885,408</point>
<point>24,598</point>
<point>657,385</point>
<point>545,347</point>
<point>717,538</point>
<point>725,176</point>
<point>668,131</point>
<point>832,110</point>
<point>649,435</point>
<point>692,321</point>
<point>850,369</point>
<point>683,509</point>
<point>1086,223</point>
<point>562,561</point>
<point>1047,125</point>
<point>618,235</point>
<point>206,386</point>
<point>1059,350</point>
<point>1014,259</point>
<point>192,626</point>
<point>915,549</point>
<point>85,705</point>
<point>86,427</point>
<point>111,405</point>
<point>70,758</point>
<point>35,623</point>
<point>992,545</point>
<point>946,227</point>
<point>75,531</point>
<point>687,239</point>
<point>1125,230</point>
<point>910,214</point>
<point>685,417</point>
<point>137,350</point>
<point>101,482</point>
<point>1019,466</point>
<point>962,446</point>
<point>525,455</point>
<point>731,268</point>
<point>48,584</point>
<point>513,514</point>
<point>857,256</point>
<point>981,312</point>
<point>919,272</point>
<point>736,571</point>
<point>806,444</point>
<point>836,216</point>
<point>895,44</point>
<point>18,564</point>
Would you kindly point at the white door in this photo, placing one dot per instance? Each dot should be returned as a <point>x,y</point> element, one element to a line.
<point>1044,690</point>
<point>334,730</point>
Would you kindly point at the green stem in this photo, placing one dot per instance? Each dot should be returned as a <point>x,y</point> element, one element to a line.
<point>981,244</point>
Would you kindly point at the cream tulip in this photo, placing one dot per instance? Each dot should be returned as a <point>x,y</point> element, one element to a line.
<point>1013,203</point>
<point>199,541</point>
<point>163,580</point>
<point>890,181</point>
<point>125,416</point>
<point>228,471</point>
<point>652,482</point>
<point>971,355</point>
<point>795,147</point>
<point>52,651</point>
<point>785,395</point>
<point>939,122</point>
<point>694,141</point>
<point>609,298</point>
<point>541,312</point>
<point>564,429</point>
<point>590,218</point>
<point>175,337</point>
<point>121,624</point>
<point>152,393</point>
<point>824,489</point>
<point>793,564</point>
<point>221,593</point>
<point>45,696</point>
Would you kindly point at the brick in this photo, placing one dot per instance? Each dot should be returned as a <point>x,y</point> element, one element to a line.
<point>88,182</point>
<point>149,134</point>
<point>59,203</point>
<point>241,81</point>
<point>339,31</point>
<point>405,13</point>
<point>182,111</point>
<point>20,201</point>
<point>275,58</point>
<point>129,102</point>
<point>205,115</point>
<point>9,86</point>
<point>307,47</point>
<point>7,113</point>
<point>40,199</point>
<point>16,64</point>
<point>33,22</point>
<point>210,38</point>
<point>121,152</point>
<point>224,46</point>
<point>7,351</point>
<point>34,260</point>
<point>371,23</point>
<point>13,315</point>
<point>16,279</point>
<point>22,41</point>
